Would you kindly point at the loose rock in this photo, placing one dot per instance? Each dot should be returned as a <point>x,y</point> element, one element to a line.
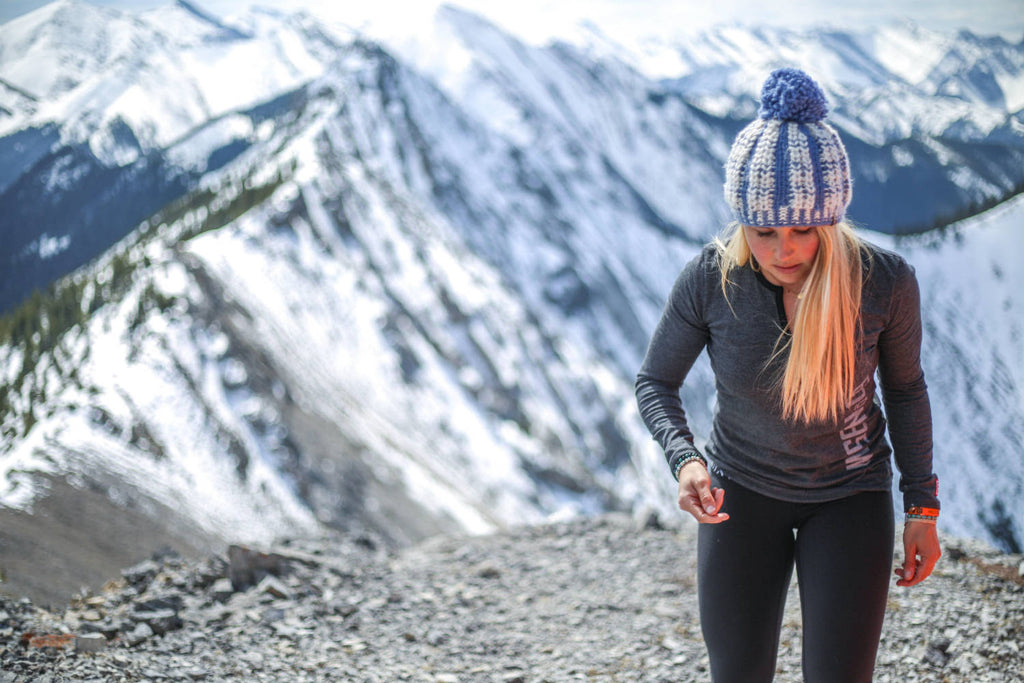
<point>600,599</point>
<point>90,642</point>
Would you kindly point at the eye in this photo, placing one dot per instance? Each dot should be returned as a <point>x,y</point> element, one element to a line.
<point>803,231</point>
<point>765,233</point>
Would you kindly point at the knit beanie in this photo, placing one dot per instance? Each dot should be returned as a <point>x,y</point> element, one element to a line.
<point>788,167</point>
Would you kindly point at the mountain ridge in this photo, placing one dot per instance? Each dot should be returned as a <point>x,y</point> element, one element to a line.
<point>108,141</point>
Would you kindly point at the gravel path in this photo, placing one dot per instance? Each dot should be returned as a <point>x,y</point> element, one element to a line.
<point>603,599</point>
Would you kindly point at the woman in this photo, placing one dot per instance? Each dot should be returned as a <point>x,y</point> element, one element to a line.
<point>796,314</point>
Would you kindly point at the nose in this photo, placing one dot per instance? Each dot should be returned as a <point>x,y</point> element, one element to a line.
<point>786,246</point>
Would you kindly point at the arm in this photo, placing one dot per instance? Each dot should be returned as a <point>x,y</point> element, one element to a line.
<point>678,340</point>
<point>908,413</point>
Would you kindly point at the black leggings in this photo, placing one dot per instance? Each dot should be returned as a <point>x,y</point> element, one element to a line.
<point>843,552</point>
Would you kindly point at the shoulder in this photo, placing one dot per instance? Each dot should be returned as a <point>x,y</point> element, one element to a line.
<point>882,263</point>
<point>703,268</point>
<point>890,284</point>
<point>885,269</point>
<point>709,259</point>
<point>698,281</point>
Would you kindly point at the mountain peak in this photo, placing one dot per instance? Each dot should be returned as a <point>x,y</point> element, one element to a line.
<point>58,12</point>
<point>210,19</point>
<point>469,24</point>
<point>50,50</point>
<point>46,12</point>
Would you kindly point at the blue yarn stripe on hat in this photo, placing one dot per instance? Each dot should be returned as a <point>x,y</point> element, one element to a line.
<point>783,194</point>
<point>744,174</point>
<point>819,177</point>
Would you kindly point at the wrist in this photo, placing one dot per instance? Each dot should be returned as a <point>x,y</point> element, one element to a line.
<point>922,514</point>
<point>921,520</point>
<point>686,460</point>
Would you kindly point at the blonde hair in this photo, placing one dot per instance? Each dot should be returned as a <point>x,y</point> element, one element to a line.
<point>818,380</point>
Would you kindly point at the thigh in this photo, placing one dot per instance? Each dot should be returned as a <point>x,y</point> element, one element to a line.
<point>743,571</point>
<point>844,554</point>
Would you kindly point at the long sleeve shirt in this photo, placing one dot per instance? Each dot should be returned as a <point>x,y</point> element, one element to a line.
<point>750,441</point>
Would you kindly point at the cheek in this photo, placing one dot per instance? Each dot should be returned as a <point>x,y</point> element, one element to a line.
<point>762,252</point>
<point>809,250</point>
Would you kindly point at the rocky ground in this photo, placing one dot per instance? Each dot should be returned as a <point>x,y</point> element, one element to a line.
<point>603,599</point>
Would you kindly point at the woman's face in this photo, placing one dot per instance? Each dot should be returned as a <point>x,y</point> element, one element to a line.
<point>785,255</point>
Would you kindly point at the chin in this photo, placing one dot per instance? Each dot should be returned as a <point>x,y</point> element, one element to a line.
<point>789,278</point>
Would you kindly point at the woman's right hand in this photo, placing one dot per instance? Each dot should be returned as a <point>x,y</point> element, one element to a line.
<point>696,495</point>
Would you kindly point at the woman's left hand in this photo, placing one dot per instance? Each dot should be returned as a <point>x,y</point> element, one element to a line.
<point>922,551</point>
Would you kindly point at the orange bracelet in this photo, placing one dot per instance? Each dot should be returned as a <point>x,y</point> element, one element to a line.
<point>918,511</point>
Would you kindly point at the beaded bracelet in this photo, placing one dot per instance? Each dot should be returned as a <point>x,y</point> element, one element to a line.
<point>922,514</point>
<point>923,519</point>
<point>686,459</point>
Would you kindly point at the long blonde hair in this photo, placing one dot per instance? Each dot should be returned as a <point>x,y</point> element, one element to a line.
<point>818,380</point>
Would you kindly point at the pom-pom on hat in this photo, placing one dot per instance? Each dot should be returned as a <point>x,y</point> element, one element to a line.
<point>788,167</point>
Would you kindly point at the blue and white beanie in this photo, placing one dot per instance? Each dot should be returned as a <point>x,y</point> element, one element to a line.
<point>788,167</point>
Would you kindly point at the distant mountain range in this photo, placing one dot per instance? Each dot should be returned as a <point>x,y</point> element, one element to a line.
<point>101,113</point>
<point>295,277</point>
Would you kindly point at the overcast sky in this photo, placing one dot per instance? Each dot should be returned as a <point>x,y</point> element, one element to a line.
<point>536,20</point>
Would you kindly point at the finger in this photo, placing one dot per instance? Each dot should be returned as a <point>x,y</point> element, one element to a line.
<point>707,500</point>
<point>924,568</point>
<point>909,560</point>
<point>915,579</point>
<point>905,574</point>
<point>695,509</point>
<point>714,514</point>
<point>692,505</point>
<point>915,571</point>
<point>717,518</point>
<point>719,498</point>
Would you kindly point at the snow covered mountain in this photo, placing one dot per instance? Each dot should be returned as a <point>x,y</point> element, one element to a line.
<point>94,98</point>
<point>407,288</point>
<point>924,115</point>
<point>91,99</point>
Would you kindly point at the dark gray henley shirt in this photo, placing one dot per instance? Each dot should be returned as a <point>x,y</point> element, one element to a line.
<point>750,443</point>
